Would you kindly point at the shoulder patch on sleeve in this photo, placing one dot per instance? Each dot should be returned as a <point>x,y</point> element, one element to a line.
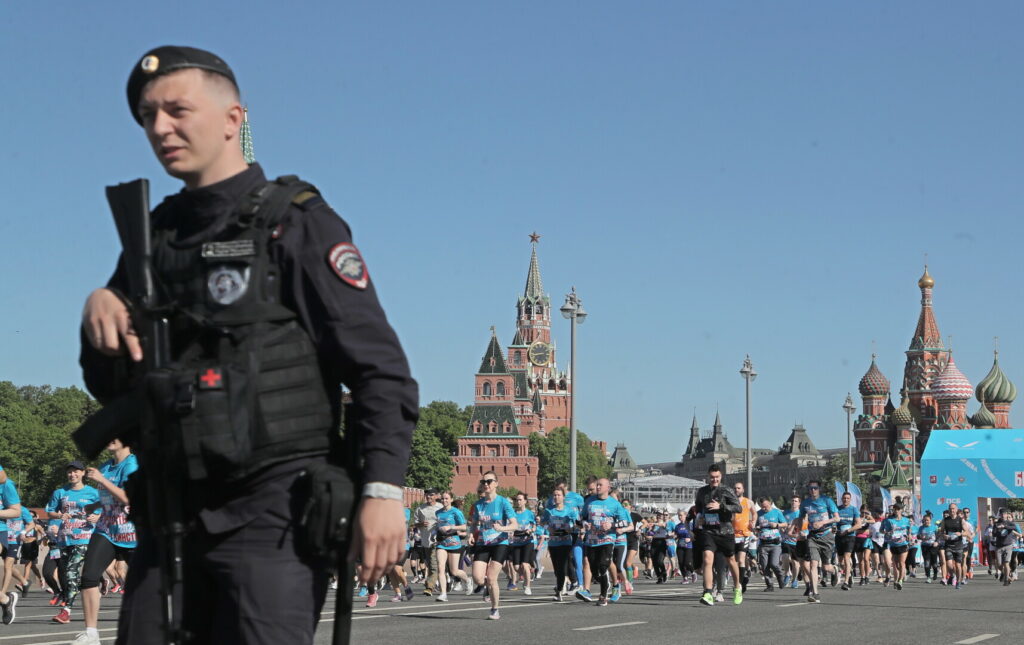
<point>348,264</point>
<point>307,199</point>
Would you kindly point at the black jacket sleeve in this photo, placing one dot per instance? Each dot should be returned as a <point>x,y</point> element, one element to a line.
<point>357,346</point>
<point>106,377</point>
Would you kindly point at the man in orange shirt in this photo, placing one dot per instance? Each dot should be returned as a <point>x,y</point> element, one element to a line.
<point>743,525</point>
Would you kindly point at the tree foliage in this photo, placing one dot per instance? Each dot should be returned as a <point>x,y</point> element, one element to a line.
<point>430,465</point>
<point>552,452</point>
<point>35,435</point>
<point>446,421</point>
<point>835,471</point>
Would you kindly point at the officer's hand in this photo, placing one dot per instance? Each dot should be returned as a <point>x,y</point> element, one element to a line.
<point>106,321</point>
<point>380,537</point>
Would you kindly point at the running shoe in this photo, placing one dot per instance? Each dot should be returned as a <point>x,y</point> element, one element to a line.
<point>457,586</point>
<point>363,591</point>
<point>511,587</point>
<point>427,591</point>
<point>898,586</point>
<point>815,598</point>
<point>527,591</point>
<point>479,588</point>
<point>442,597</point>
<point>558,596</point>
<point>737,597</point>
<point>927,580</point>
<point>846,586</point>
<point>84,638</point>
<point>795,584</point>
<point>55,599</point>
<point>707,599</point>
<point>769,586</point>
<point>835,578</point>
<point>63,616</point>
<point>371,600</point>
<point>584,595</point>
<point>953,581</point>
<point>785,581</point>
<point>540,572</point>
<point>397,598</point>
<point>9,608</point>
<point>602,602</point>
<point>409,594</point>
<point>719,597</point>
<point>616,594</point>
<point>494,615</point>
<point>629,587</point>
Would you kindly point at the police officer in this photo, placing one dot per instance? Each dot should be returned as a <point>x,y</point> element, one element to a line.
<point>274,301</point>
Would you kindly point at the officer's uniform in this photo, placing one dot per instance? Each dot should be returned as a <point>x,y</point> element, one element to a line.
<point>246,579</point>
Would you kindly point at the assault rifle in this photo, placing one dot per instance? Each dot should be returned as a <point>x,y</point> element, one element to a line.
<point>136,411</point>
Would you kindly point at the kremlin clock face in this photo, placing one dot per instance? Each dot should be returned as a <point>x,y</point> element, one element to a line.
<point>540,353</point>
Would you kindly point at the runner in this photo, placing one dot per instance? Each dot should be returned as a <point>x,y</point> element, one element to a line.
<point>450,521</point>
<point>491,520</point>
<point>929,549</point>
<point>769,522</point>
<point>69,503</point>
<point>821,514</point>
<point>846,537</point>
<point>632,547</point>
<point>954,531</point>
<point>658,532</point>
<point>897,541</point>
<point>562,523</point>
<point>540,536</point>
<point>10,507</point>
<point>865,545</point>
<point>790,562</point>
<point>716,506</point>
<point>604,519</point>
<point>426,520</point>
<point>521,546</point>
<point>743,523</point>
<point>1005,536</point>
<point>52,565</point>
<point>684,545</point>
<point>616,573</point>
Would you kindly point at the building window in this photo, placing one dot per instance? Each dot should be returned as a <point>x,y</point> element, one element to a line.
<point>474,451</point>
<point>513,451</point>
<point>500,388</point>
<point>551,384</point>
<point>476,427</point>
<point>492,427</point>
<point>562,385</point>
<point>491,452</point>
<point>487,389</point>
<point>506,427</point>
<point>517,357</point>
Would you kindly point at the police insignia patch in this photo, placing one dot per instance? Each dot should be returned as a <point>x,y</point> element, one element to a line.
<point>346,261</point>
<point>150,64</point>
<point>227,284</point>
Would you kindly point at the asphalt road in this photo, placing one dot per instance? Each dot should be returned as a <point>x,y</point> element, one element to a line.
<point>982,612</point>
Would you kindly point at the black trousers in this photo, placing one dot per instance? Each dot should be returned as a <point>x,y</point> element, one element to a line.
<point>99,556</point>
<point>50,570</point>
<point>561,556</point>
<point>658,550</point>
<point>600,557</point>
<point>248,586</point>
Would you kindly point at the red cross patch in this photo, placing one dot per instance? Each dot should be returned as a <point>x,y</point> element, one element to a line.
<point>211,379</point>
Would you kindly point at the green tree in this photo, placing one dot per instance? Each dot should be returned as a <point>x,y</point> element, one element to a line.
<point>430,465</point>
<point>446,421</point>
<point>509,491</point>
<point>552,451</point>
<point>835,471</point>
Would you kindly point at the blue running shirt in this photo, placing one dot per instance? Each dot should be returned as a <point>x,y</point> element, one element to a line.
<point>604,515</point>
<point>489,513</point>
<point>114,523</point>
<point>765,532</point>
<point>449,541</point>
<point>76,530</point>
<point>526,520</point>
<point>897,531</point>
<point>818,510</point>
<point>561,525</point>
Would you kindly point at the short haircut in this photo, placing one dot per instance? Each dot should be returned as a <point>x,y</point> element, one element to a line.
<point>814,481</point>
<point>714,468</point>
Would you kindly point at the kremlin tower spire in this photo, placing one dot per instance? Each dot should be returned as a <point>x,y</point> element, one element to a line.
<point>926,359</point>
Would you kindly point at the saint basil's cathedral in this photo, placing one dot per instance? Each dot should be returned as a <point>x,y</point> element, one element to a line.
<point>934,397</point>
<point>518,391</point>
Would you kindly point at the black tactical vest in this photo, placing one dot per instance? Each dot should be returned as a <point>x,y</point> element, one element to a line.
<point>246,389</point>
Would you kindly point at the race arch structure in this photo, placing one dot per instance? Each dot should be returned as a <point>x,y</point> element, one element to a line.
<point>972,468</point>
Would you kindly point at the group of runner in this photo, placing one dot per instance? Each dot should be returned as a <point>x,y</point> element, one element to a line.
<point>84,538</point>
<point>598,545</point>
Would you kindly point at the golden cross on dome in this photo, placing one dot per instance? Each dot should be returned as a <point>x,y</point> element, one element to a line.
<point>534,238</point>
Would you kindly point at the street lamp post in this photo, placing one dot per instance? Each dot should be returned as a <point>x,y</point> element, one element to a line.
<point>848,406</point>
<point>573,310</point>
<point>913,463</point>
<point>749,374</point>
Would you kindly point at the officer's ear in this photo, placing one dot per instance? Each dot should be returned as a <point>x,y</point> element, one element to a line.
<point>234,116</point>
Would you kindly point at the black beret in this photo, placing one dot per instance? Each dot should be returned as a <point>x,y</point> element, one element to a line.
<point>167,59</point>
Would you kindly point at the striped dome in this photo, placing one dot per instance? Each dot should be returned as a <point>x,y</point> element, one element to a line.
<point>983,418</point>
<point>873,383</point>
<point>996,388</point>
<point>902,416</point>
<point>951,384</point>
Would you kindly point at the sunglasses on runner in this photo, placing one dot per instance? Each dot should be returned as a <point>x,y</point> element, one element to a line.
<point>488,481</point>
<point>813,488</point>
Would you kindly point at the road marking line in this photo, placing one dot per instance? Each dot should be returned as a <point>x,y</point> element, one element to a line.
<point>796,604</point>
<point>7,638</point>
<point>977,639</point>
<point>587,629</point>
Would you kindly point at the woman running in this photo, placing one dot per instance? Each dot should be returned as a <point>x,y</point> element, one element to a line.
<point>450,521</point>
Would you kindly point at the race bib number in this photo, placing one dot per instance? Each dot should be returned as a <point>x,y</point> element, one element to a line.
<point>711,519</point>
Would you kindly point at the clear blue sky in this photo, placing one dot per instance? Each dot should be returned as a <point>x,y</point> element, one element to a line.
<point>715,179</point>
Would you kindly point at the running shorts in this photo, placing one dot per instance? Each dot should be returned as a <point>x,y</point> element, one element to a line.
<point>724,544</point>
<point>821,547</point>
<point>521,554</point>
<point>491,553</point>
<point>13,551</point>
<point>1004,554</point>
<point>788,549</point>
<point>801,551</point>
<point>29,552</point>
<point>845,544</point>
<point>956,554</point>
<point>897,549</point>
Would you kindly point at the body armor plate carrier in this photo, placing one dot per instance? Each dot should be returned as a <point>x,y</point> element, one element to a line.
<point>244,389</point>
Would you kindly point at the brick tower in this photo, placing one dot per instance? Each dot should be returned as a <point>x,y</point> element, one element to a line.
<point>926,359</point>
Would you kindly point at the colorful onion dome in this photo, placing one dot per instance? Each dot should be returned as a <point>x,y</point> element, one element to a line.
<point>983,418</point>
<point>996,388</point>
<point>873,383</point>
<point>902,416</point>
<point>926,280</point>
<point>951,384</point>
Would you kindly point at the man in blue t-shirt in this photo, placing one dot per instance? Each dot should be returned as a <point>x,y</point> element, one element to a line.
<point>604,519</point>
<point>10,507</point>
<point>846,537</point>
<point>491,520</point>
<point>74,503</point>
<point>769,526</point>
<point>822,514</point>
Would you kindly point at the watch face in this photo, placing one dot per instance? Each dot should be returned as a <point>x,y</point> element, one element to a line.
<point>540,353</point>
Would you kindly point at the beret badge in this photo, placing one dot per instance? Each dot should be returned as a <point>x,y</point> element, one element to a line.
<point>150,64</point>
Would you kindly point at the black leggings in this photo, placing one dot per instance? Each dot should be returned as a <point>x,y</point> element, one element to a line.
<point>51,569</point>
<point>99,556</point>
<point>561,556</point>
<point>930,555</point>
<point>658,550</point>
<point>600,557</point>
